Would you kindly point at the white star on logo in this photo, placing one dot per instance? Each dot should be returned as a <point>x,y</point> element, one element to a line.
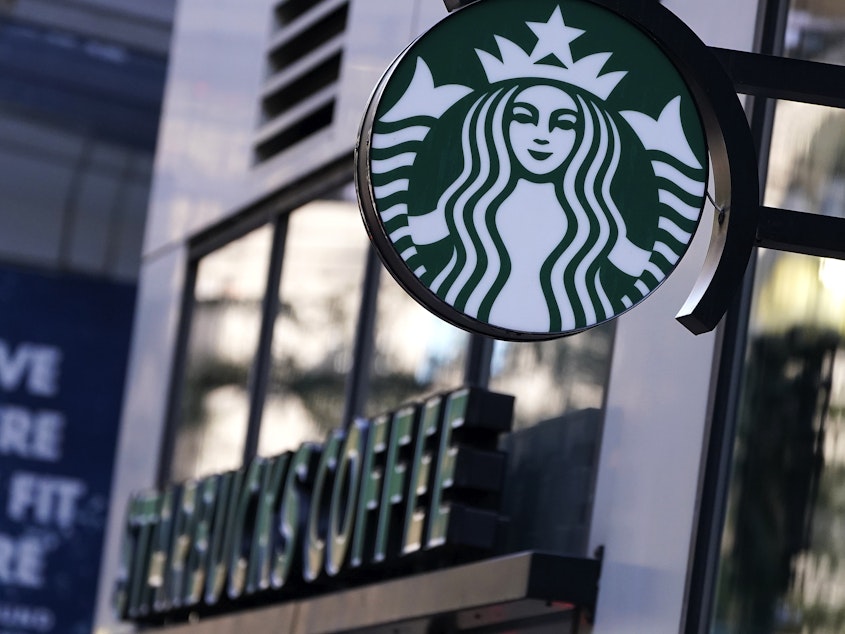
<point>554,38</point>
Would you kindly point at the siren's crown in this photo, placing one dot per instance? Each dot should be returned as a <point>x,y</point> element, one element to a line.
<point>553,39</point>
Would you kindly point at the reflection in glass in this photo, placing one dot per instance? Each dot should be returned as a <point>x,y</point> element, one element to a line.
<point>322,271</point>
<point>815,30</point>
<point>224,334</point>
<point>553,378</point>
<point>416,353</point>
<point>807,158</point>
<point>782,565</point>
<point>783,548</point>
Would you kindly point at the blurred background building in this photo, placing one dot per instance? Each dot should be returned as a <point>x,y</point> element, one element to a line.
<point>81,85</point>
<point>263,318</point>
<point>81,93</point>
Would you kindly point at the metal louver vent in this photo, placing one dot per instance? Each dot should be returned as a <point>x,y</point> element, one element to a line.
<point>304,55</point>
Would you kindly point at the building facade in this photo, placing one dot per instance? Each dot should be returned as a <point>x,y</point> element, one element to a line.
<point>700,471</point>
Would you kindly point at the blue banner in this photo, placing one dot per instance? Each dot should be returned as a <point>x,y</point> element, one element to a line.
<point>63,350</point>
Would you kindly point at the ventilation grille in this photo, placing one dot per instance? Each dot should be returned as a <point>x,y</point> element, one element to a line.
<point>303,61</point>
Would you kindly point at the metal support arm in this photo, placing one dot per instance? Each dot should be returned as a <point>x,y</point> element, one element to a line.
<point>452,5</point>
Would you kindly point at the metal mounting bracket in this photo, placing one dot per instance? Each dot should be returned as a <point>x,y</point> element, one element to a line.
<point>452,5</point>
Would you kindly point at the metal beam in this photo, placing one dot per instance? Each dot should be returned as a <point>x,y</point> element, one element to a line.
<point>799,232</point>
<point>784,78</point>
<point>493,594</point>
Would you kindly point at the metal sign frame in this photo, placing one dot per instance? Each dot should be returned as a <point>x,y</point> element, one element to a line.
<point>731,151</point>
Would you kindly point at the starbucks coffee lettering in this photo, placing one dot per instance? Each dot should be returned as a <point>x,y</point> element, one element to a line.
<point>390,491</point>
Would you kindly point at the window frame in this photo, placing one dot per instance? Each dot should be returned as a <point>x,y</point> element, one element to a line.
<point>275,211</point>
<point>766,76</point>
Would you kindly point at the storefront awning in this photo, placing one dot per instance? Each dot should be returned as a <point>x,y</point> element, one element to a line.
<point>526,589</point>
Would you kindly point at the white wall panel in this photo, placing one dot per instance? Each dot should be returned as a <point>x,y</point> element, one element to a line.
<point>660,389</point>
<point>144,406</point>
<point>209,116</point>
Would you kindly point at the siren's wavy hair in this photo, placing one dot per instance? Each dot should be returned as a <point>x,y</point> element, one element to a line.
<point>480,264</point>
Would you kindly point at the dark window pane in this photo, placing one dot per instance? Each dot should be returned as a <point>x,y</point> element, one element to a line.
<point>807,158</point>
<point>224,333</point>
<point>553,451</point>
<point>553,378</point>
<point>324,259</point>
<point>783,546</point>
<point>780,567</point>
<point>416,353</point>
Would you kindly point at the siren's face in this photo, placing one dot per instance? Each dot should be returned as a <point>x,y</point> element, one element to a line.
<point>542,128</point>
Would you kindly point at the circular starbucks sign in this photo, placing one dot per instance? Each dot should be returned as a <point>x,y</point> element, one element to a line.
<point>528,170</point>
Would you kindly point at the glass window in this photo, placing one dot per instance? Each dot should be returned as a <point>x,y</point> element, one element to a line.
<point>553,451</point>
<point>782,556</point>
<point>807,164</point>
<point>226,319</point>
<point>783,547</point>
<point>415,354</point>
<point>322,271</point>
<point>815,30</point>
<point>407,353</point>
<point>553,378</point>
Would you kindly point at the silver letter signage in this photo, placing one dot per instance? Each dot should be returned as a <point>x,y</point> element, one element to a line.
<point>361,502</point>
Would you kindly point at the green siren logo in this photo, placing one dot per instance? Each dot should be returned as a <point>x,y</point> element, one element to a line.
<point>532,169</point>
